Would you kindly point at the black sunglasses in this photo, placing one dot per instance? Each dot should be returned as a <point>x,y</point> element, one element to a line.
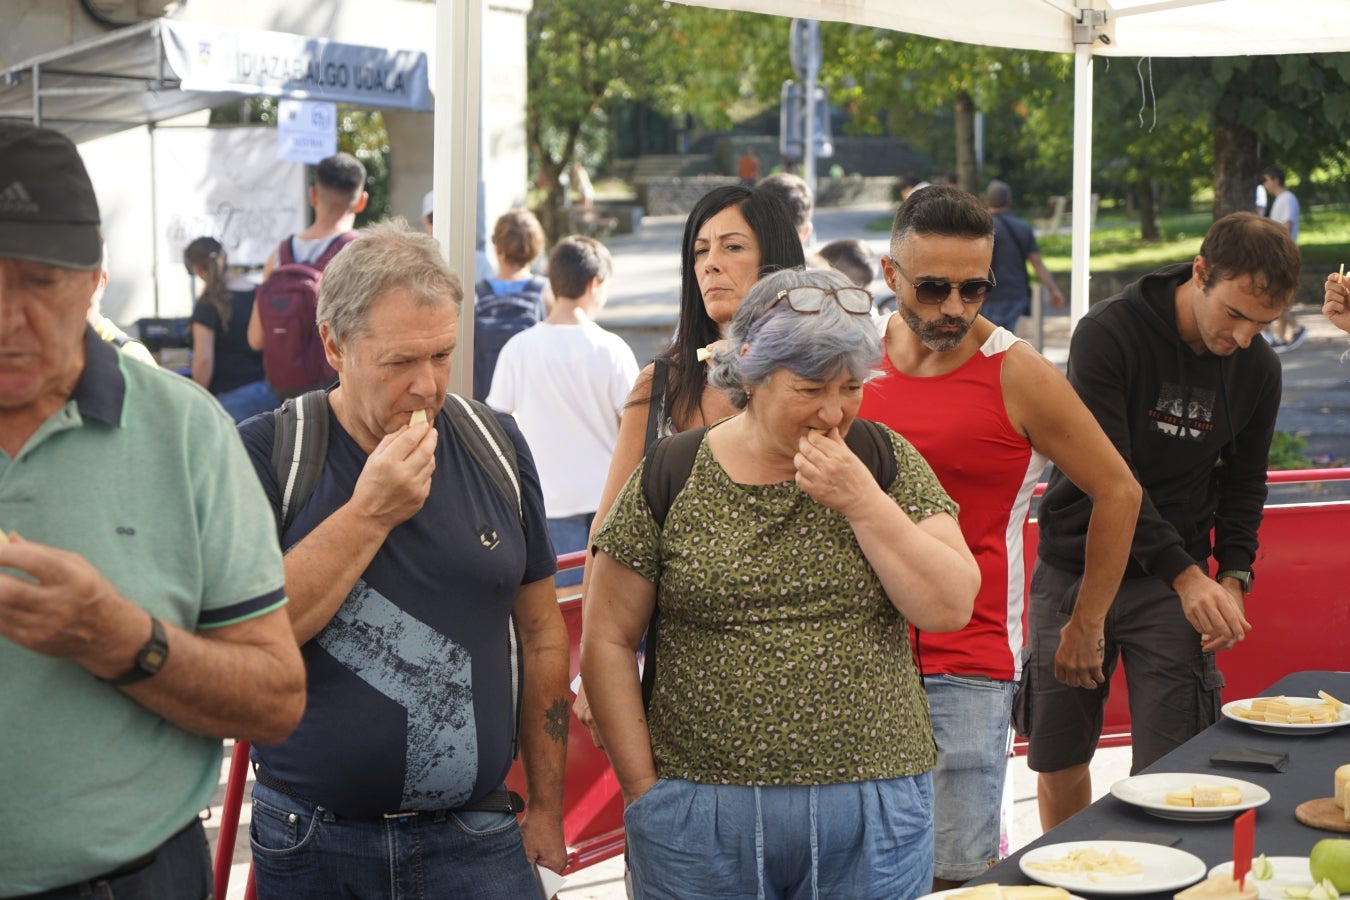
<point>809,299</point>
<point>937,290</point>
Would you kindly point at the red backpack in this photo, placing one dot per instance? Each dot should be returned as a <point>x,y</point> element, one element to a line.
<point>287,302</point>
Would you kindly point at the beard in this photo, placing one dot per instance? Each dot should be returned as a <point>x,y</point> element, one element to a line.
<point>928,333</point>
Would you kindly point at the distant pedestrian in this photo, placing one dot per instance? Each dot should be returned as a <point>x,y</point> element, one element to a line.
<point>747,167</point>
<point>1286,334</point>
<point>911,183</point>
<point>1014,246</point>
<point>852,257</point>
<point>222,360</point>
<point>796,196</point>
<point>566,381</point>
<point>513,300</point>
<point>282,323</point>
<point>105,326</point>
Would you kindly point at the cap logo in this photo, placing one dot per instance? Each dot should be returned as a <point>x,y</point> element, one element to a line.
<point>15,199</point>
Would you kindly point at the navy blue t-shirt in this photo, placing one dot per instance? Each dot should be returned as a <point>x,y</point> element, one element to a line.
<point>236,363</point>
<point>410,702</point>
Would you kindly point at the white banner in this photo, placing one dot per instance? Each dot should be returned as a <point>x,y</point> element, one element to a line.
<point>225,183</point>
<point>210,58</point>
<point>306,130</point>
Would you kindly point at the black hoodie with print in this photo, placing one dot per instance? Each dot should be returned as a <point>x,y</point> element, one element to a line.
<point>1195,430</point>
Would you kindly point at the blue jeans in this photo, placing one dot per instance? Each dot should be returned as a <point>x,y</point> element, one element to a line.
<point>181,869</point>
<point>864,839</point>
<point>970,726</point>
<point>304,852</point>
<point>248,400</point>
<point>569,534</point>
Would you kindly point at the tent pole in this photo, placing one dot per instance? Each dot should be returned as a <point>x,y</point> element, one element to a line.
<point>455,142</point>
<point>1082,181</point>
<point>154,221</point>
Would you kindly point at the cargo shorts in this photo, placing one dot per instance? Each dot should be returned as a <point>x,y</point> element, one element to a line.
<point>1174,688</point>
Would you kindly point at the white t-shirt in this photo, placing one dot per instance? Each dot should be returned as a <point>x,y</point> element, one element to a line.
<point>1285,209</point>
<point>566,385</point>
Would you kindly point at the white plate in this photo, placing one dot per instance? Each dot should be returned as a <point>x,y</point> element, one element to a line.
<point>1287,727</point>
<point>1164,868</point>
<point>1149,792</point>
<point>938,895</point>
<point>1290,871</point>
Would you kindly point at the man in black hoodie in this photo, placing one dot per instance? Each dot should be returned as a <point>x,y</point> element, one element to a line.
<point>1171,371</point>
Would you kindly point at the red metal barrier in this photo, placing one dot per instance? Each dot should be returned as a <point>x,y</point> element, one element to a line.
<point>1296,608</point>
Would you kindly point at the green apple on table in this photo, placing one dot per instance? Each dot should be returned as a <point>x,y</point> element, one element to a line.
<point>1330,860</point>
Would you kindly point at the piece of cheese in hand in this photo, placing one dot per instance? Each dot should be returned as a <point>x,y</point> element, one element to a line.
<point>419,417</point>
<point>1220,887</point>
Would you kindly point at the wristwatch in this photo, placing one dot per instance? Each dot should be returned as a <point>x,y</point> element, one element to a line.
<point>1243,577</point>
<point>149,660</point>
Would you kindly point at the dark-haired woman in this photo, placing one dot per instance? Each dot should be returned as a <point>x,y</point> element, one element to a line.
<point>222,361</point>
<point>734,235</point>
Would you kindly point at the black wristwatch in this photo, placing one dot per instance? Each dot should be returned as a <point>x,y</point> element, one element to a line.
<point>149,660</point>
<point>1242,576</point>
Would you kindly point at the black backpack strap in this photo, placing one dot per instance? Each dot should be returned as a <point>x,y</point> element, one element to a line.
<point>656,405</point>
<point>871,443</point>
<point>667,466</point>
<point>299,447</point>
<point>491,446</point>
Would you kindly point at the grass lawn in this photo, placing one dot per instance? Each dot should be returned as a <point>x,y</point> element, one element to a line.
<point>1324,240</point>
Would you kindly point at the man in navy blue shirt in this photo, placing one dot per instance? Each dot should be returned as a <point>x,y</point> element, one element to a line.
<point>1014,246</point>
<point>406,565</point>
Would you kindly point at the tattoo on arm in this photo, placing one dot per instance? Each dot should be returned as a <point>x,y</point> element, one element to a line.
<point>555,720</point>
<point>1101,647</point>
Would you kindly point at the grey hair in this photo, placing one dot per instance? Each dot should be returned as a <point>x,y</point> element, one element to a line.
<point>386,256</point>
<point>817,347</point>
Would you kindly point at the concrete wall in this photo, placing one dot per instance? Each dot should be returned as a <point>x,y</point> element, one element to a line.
<point>120,164</point>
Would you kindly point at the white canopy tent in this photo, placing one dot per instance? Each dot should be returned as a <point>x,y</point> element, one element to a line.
<point>1084,28</point>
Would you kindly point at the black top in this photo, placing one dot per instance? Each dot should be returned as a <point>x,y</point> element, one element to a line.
<point>1194,429</point>
<point>236,363</point>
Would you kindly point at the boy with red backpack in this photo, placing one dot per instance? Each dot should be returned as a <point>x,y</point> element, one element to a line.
<point>283,322</point>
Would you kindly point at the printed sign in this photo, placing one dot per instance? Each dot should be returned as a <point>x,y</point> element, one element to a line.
<point>306,130</point>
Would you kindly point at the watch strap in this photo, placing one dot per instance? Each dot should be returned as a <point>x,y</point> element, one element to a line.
<point>1242,576</point>
<point>149,659</point>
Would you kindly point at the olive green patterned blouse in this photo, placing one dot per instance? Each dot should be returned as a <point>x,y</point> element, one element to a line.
<point>781,659</point>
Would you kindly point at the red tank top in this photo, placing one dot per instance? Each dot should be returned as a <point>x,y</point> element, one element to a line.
<point>959,423</point>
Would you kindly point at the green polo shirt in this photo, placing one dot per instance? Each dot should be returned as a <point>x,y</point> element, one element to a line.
<point>142,474</point>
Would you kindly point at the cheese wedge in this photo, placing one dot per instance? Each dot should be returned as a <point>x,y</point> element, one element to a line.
<point>1345,799</point>
<point>1034,892</point>
<point>419,417</point>
<point>1220,887</point>
<point>1330,700</point>
<point>1205,795</point>
<point>1341,782</point>
<point>1012,892</point>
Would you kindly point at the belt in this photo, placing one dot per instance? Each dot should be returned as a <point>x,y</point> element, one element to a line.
<point>502,801</point>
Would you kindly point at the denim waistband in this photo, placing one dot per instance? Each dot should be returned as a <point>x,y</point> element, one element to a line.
<point>503,801</point>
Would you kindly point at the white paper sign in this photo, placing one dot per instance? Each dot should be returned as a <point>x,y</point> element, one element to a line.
<point>306,130</point>
<point>225,183</point>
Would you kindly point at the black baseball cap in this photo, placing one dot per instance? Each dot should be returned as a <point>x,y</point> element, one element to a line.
<point>48,211</point>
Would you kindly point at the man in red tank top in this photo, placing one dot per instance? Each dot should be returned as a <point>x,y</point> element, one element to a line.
<point>986,411</point>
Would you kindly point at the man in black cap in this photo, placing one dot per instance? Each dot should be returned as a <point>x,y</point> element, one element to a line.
<point>141,598</point>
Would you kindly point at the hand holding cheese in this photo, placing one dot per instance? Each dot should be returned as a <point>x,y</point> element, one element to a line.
<point>419,417</point>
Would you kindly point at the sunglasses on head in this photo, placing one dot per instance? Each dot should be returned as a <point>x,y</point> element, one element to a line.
<point>936,290</point>
<point>811,300</point>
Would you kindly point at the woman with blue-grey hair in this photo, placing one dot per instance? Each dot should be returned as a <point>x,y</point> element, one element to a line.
<point>786,748</point>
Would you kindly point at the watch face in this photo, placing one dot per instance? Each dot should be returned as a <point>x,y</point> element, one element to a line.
<point>154,658</point>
